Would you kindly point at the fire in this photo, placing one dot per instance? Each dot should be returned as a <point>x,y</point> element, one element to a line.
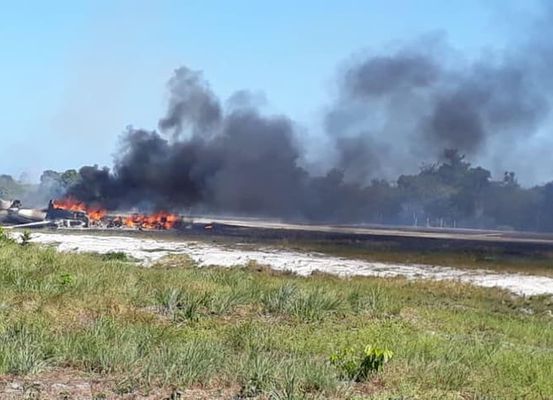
<point>94,213</point>
<point>70,204</point>
<point>97,215</point>
<point>159,220</point>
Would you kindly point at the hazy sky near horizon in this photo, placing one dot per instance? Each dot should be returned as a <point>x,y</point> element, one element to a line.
<point>76,73</point>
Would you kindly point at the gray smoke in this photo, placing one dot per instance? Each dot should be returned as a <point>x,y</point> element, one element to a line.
<point>394,111</point>
<point>420,99</point>
<point>193,108</point>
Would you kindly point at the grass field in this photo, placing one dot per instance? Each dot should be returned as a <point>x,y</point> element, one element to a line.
<point>177,331</point>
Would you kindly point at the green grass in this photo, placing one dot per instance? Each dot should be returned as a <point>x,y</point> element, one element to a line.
<point>264,334</point>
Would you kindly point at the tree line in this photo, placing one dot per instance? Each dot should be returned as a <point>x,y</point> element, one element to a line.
<point>448,193</point>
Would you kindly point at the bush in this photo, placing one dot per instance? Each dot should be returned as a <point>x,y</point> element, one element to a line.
<point>115,256</point>
<point>358,366</point>
<point>66,280</point>
<point>25,238</point>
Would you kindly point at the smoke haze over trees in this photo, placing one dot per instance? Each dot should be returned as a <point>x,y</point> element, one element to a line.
<point>450,192</point>
<point>394,110</point>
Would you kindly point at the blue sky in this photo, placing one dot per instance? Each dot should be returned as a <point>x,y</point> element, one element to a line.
<point>75,73</point>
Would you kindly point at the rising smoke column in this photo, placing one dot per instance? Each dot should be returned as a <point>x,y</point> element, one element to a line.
<point>394,110</point>
<point>238,161</point>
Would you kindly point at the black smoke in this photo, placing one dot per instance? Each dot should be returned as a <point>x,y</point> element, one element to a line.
<point>394,111</point>
<point>192,107</point>
<point>227,161</point>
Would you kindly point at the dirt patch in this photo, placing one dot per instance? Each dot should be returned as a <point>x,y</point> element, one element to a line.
<point>64,384</point>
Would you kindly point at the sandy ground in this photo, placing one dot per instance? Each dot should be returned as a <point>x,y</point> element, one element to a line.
<point>64,383</point>
<point>148,251</point>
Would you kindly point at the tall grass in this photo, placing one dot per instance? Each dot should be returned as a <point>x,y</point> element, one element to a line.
<point>307,305</point>
<point>23,349</point>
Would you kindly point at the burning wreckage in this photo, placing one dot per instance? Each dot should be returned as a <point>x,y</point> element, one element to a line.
<point>71,213</point>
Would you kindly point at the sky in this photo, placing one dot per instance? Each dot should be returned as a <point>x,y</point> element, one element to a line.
<point>75,73</point>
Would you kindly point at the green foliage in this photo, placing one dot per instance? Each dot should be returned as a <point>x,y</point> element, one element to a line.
<point>4,237</point>
<point>25,238</point>
<point>182,305</point>
<point>259,374</point>
<point>63,180</point>
<point>277,301</point>
<point>308,305</point>
<point>69,178</point>
<point>374,301</point>
<point>315,304</point>
<point>289,387</point>
<point>21,349</point>
<point>225,301</point>
<point>115,256</point>
<point>66,280</point>
<point>358,366</point>
<point>191,361</point>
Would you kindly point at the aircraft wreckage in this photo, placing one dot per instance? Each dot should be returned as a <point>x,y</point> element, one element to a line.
<point>70,213</point>
<point>13,214</point>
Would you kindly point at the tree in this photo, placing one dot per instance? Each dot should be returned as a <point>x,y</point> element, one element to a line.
<point>9,187</point>
<point>50,178</point>
<point>70,178</point>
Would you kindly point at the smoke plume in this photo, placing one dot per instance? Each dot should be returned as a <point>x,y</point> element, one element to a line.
<point>414,102</point>
<point>394,111</point>
<point>233,161</point>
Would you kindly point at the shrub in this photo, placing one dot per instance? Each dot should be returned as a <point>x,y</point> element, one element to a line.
<point>25,238</point>
<point>66,280</point>
<point>358,366</point>
<point>115,256</point>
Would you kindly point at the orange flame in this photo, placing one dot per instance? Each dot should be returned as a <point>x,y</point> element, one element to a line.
<point>70,204</point>
<point>158,220</point>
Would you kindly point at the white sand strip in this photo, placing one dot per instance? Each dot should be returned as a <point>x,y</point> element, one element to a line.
<point>148,251</point>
